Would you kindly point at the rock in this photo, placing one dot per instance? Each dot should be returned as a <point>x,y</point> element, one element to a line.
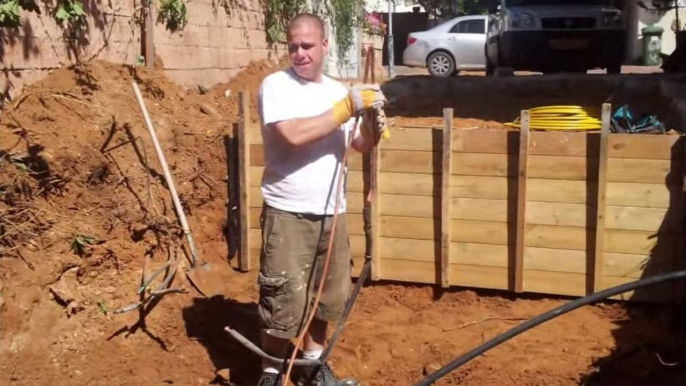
<point>62,292</point>
<point>224,375</point>
<point>73,308</point>
<point>110,289</point>
<point>65,293</point>
<point>227,93</point>
<point>430,368</point>
<point>209,110</point>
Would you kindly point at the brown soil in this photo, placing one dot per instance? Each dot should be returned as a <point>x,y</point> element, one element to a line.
<point>83,203</point>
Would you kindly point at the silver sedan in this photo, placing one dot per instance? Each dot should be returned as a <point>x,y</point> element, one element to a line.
<point>450,47</point>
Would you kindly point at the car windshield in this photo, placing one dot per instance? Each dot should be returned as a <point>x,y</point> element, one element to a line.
<point>519,3</point>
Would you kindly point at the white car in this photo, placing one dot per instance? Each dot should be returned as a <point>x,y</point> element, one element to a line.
<point>450,47</point>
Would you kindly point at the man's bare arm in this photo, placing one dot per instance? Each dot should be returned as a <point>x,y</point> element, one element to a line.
<point>301,131</point>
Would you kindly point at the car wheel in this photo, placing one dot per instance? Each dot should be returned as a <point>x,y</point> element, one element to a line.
<point>490,68</point>
<point>440,64</point>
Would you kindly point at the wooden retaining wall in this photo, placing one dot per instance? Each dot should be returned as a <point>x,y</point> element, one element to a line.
<point>567,213</point>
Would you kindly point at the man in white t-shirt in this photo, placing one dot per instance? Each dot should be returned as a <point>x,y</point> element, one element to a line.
<point>306,119</point>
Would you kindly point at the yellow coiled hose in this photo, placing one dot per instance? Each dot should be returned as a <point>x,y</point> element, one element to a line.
<point>573,118</point>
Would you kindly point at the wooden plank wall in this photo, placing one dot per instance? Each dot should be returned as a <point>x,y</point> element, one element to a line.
<point>577,233</point>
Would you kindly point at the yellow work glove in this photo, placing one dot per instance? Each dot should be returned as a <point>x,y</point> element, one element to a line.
<point>360,97</point>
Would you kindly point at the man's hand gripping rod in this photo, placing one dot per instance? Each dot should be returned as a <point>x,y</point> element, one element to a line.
<point>369,188</point>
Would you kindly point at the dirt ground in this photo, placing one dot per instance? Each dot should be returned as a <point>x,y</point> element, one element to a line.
<point>84,205</point>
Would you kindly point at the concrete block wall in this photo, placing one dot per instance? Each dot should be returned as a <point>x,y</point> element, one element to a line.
<point>213,46</point>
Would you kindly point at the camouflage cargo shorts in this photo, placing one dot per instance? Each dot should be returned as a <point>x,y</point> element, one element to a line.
<point>291,243</point>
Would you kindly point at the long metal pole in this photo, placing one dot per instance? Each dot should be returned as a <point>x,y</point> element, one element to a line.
<point>389,34</point>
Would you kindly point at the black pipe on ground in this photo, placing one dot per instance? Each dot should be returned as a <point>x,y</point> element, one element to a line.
<point>554,313</point>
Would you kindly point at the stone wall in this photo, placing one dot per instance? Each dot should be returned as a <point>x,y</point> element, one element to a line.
<point>212,47</point>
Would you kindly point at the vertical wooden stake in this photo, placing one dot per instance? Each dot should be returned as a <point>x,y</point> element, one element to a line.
<point>446,196</point>
<point>148,37</point>
<point>374,171</point>
<point>244,179</point>
<point>522,178</point>
<point>598,256</point>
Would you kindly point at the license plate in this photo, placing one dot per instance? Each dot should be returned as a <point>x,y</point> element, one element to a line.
<point>568,44</point>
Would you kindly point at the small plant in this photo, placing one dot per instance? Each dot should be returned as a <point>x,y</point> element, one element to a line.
<point>373,24</point>
<point>80,243</point>
<point>173,13</point>
<point>9,13</point>
<point>70,13</point>
<point>103,307</point>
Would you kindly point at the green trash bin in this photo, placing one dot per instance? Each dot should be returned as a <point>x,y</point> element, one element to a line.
<point>652,45</point>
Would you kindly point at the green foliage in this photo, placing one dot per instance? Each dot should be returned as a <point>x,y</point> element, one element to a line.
<point>345,16</point>
<point>70,13</point>
<point>65,12</point>
<point>9,12</point>
<point>173,13</point>
<point>80,242</point>
<point>277,15</point>
<point>445,9</point>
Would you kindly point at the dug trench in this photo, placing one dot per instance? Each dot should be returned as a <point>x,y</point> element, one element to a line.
<point>83,204</point>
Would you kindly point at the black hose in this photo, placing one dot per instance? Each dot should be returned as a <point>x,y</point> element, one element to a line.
<point>554,313</point>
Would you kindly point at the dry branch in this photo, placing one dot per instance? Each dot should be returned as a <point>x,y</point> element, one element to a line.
<point>483,321</point>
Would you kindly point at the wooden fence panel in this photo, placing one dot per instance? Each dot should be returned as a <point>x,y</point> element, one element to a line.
<point>564,213</point>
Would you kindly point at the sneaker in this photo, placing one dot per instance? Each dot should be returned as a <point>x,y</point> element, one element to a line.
<point>320,376</point>
<point>269,379</point>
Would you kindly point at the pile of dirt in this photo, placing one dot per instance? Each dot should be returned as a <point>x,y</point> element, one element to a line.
<point>226,96</point>
<point>84,204</point>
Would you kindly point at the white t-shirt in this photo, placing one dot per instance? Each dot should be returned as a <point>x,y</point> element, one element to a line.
<point>304,179</point>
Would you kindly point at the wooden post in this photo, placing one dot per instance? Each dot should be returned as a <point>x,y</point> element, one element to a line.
<point>244,179</point>
<point>375,170</point>
<point>598,256</point>
<point>521,202</point>
<point>148,37</point>
<point>446,196</point>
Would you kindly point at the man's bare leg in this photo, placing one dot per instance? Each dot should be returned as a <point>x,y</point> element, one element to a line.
<point>275,347</point>
<point>313,344</point>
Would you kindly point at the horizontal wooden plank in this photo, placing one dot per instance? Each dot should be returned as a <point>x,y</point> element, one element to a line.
<point>502,188</point>
<point>488,255</point>
<point>501,233</point>
<point>580,144</point>
<point>544,282</point>
<point>542,143</point>
<point>537,213</point>
<point>541,190</point>
<point>541,259</point>
<point>540,166</point>
<point>503,165</point>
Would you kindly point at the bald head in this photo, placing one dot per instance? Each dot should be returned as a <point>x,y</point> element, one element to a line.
<point>307,46</point>
<point>306,20</point>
